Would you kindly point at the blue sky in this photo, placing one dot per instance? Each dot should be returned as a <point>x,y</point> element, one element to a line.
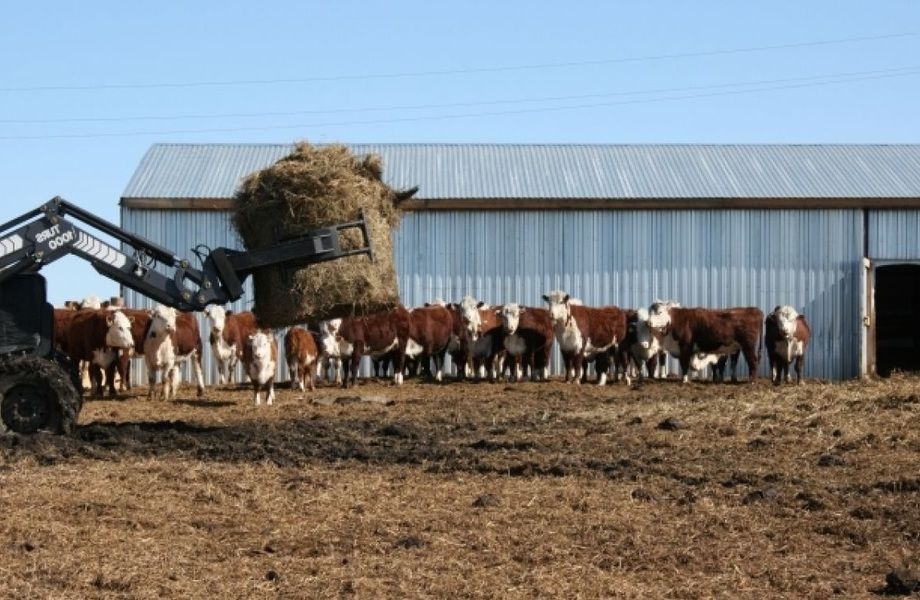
<point>88,87</point>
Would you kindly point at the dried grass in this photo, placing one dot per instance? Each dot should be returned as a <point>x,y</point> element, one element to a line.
<point>317,187</point>
<point>585,495</point>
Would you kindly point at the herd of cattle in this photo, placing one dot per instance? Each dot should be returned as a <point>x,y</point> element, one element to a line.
<point>483,341</point>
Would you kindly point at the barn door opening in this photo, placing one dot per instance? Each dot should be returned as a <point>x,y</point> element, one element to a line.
<point>897,318</point>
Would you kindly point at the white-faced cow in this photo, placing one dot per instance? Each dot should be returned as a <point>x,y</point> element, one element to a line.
<point>186,344</point>
<point>641,348</point>
<point>96,337</point>
<point>689,332</point>
<point>229,332</point>
<point>160,353</point>
<point>301,353</point>
<point>527,339</point>
<point>260,358</point>
<point>481,337</point>
<point>373,335</point>
<point>584,333</point>
<point>786,337</point>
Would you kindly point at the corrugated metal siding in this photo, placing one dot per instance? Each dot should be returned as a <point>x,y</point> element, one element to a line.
<point>566,171</point>
<point>809,259</point>
<point>894,234</point>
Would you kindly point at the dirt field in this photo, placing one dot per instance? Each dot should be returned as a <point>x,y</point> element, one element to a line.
<point>471,490</point>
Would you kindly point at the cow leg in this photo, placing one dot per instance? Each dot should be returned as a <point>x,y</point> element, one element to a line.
<point>799,367</point>
<point>271,391</point>
<point>578,362</point>
<point>602,366</point>
<point>686,353</point>
<point>399,363</point>
<point>351,369</point>
<point>752,359</point>
<point>175,378</point>
<point>257,396</point>
<point>438,359</point>
<point>308,374</point>
<point>151,382</point>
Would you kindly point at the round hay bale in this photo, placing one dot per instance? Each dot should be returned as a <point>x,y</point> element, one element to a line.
<point>318,187</point>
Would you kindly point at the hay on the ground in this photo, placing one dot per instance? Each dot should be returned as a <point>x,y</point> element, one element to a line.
<point>311,188</point>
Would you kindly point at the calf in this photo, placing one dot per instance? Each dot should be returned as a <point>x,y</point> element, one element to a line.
<point>686,332</point>
<point>640,347</point>
<point>527,339</point>
<point>375,335</point>
<point>160,353</point>
<point>260,358</point>
<point>229,332</point>
<point>97,337</point>
<point>301,354</point>
<point>480,330</point>
<point>786,336</point>
<point>584,333</point>
<point>429,337</point>
<point>186,341</point>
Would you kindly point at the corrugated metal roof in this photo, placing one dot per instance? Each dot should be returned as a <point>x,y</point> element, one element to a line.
<point>565,171</point>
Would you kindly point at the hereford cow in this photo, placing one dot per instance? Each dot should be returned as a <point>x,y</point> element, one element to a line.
<point>229,332</point>
<point>429,337</point>
<point>160,353</point>
<point>527,339</point>
<point>97,337</point>
<point>374,335</point>
<point>260,358</point>
<point>186,340</point>
<point>786,336</point>
<point>480,337</point>
<point>685,332</point>
<point>63,317</point>
<point>584,333</point>
<point>301,354</point>
<point>640,348</point>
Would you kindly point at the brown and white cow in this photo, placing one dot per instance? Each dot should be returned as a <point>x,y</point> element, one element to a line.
<point>481,337</point>
<point>641,348</point>
<point>301,353</point>
<point>260,358</point>
<point>186,341</point>
<point>429,337</point>
<point>97,337</point>
<point>786,337</point>
<point>160,353</point>
<point>374,335</point>
<point>527,339</point>
<point>689,333</point>
<point>584,332</point>
<point>229,332</point>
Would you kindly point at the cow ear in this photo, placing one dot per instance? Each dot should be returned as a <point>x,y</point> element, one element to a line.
<point>776,309</point>
<point>480,304</point>
<point>566,299</point>
<point>427,304</point>
<point>545,298</point>
<point>109,320</point>
<point>523,310</point>
<point>227,313</point>
<point>130,319</point>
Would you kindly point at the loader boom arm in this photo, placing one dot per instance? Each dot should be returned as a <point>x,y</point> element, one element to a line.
<point>51,231</point>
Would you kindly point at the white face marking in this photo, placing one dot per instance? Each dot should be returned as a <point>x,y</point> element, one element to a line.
<point>511,317</point>
<point>469,315</point>
<point>559,303</point>
<point>162,320</point>
<point>786,318</point>
<point>118,334</point>
<point>217,316</point>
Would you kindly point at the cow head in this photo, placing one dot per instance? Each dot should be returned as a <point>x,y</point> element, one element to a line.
<point>217,317</point>
<point>659,314</point>
<point>559,303</point>
<point>91,302</point>
<point>510,314</point>
<point>260,346</point>
<point>162,320</point>
<point>436,302</point>
<point>786,318</point>
<point>329,331</point>
<point>469,316</point>
<point>644,336</point>
<point>118,332</point>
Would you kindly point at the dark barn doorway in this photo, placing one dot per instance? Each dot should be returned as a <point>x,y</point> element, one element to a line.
<point>897,314</point>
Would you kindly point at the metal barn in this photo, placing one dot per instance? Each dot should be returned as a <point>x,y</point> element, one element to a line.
<point>833,230</point>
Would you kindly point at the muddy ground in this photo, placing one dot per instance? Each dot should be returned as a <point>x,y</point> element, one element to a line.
<point>471,490</point>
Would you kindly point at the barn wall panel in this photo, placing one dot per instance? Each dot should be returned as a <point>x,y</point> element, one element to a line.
<point>894,234</point>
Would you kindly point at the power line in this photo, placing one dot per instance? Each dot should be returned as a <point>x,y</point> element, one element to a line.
<point>429,106</point>
<point>457,71</point>
<point>463,115</point>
